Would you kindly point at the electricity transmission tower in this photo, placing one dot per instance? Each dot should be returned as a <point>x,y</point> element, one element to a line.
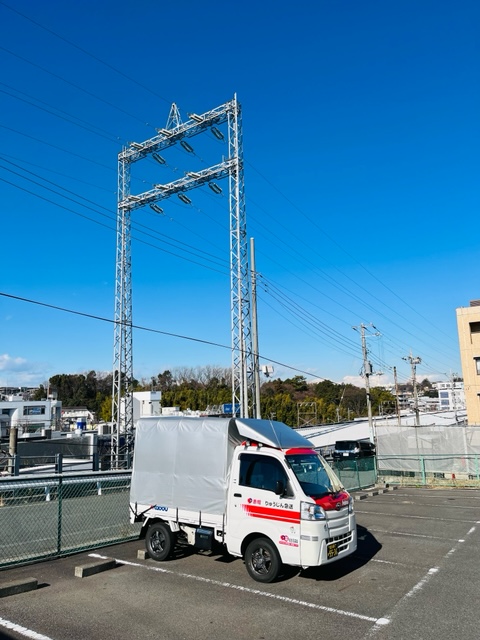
<point>176,131</point>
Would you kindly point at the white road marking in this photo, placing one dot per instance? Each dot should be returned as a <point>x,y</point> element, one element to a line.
<point>23,631</point>
<point>397,564</point>
<point>416,589</point>
<point>399,515</point>
<point>257,592</point>
<point>414,535</point>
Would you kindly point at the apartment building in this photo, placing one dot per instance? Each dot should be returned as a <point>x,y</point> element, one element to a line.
<point>468,323</point>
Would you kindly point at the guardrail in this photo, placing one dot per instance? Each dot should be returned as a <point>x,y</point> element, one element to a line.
<point>58,463</point>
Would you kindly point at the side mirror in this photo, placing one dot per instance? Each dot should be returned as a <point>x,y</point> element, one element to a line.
<point>279,488</point>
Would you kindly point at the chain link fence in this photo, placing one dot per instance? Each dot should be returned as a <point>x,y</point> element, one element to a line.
<point>46,516</point>
<point>430,470</point>
<point>357,473</point>
<point>50,516</point>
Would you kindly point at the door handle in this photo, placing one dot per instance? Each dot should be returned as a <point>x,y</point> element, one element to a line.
<point>237,495</point>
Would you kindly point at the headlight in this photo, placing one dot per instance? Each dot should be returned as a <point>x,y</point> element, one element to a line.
<point>309,511</point>
<point>350,504</point>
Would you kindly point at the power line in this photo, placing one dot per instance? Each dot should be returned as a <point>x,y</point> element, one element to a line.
<point>88,53</point>
<point>314,223</point>
<point>340,286</point>
<point>151,330</point>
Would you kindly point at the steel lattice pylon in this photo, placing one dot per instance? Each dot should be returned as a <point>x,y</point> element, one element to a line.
<point>122,416</point>
<point>243,378</point>
<point>242,352</point>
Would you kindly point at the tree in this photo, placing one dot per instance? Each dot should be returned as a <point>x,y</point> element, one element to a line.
<point>105,412</point>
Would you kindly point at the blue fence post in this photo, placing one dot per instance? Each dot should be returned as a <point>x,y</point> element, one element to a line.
<point>16,465</point>
<point>422,466</point>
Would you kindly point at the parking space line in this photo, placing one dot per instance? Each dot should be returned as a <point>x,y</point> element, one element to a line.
<point>429,504</point>
<point>256,592</point>
<point>23,631</point>
<point>397,564</point>
<point>399,515</point>
<point>416,588</point>
<point>413,535</point>
<point>469,493</point>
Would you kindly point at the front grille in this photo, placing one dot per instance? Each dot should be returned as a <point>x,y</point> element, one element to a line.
<point>342,540</point>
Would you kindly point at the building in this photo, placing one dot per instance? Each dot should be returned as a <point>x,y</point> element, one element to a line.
<point>29,416</point>
<point>468,323</point>
<point>451,395</point>
<point>145,403</point>
<point>77,417</point>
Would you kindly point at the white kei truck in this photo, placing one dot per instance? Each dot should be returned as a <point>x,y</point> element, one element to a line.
<point>257,487</point>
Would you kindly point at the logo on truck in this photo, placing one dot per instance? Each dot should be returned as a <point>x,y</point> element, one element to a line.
<point>290,542</point>
<point>160,508</point>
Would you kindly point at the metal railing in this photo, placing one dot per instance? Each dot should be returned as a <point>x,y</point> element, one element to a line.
<point>15,465</point>
<point>50,516</point>
<point>417,469</point>
<point>430,469</point>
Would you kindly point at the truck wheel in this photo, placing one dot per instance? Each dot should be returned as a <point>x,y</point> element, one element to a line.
<point>262,560</point>
<point>159,541</point>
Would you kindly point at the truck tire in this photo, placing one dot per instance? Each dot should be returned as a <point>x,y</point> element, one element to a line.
<point>262,560</point>
<point>159,541</point>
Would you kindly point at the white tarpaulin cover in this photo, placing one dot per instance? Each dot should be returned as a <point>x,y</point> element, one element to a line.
<point>182,462</point>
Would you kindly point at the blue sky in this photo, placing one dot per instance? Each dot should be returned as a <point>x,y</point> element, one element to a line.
<point>361,137</point>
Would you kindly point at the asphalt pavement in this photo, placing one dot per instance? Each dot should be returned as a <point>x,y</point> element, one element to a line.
<point>414,576</point>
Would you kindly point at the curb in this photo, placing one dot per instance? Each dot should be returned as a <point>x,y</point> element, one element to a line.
<point>375,492</point>
<point>85,570</point>
<point>18,586</point>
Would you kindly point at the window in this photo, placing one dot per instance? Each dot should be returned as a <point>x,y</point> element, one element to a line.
<point>34,411</point>
<point>474,327</point>
<point>261,472</point>
<point>477,365</point>
<point>443,394</point>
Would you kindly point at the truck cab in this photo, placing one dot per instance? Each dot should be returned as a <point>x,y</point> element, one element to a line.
<point>287,507</point>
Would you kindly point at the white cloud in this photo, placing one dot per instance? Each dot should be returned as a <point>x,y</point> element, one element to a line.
<point>7,363</point>
<point>375,381</point>
<point>16,371</point>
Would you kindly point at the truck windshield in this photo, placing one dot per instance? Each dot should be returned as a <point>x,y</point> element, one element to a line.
<point>316,478</point>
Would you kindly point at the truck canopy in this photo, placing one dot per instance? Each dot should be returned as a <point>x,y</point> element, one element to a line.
<point>182,462</point>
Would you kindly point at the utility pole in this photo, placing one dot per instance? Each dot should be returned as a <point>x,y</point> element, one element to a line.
<point>413,363</point>
<point>454,395</point>
<point>255,358</point>
<point>396,396</point>
<point>367,372</point>
<point>12,449</point>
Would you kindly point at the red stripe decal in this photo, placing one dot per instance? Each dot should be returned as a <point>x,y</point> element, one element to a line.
<point>285,515</point>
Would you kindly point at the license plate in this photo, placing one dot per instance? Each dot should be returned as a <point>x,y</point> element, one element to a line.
<point>332,550</point>
<point>345,454</point>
